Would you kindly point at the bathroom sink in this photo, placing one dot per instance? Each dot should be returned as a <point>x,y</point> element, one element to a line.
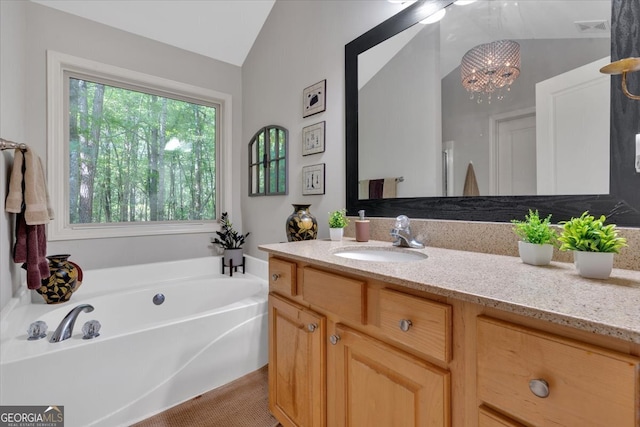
<point>381,254</point>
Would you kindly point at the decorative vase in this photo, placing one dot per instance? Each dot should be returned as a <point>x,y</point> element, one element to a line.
<point>535,254</point>
<point>64,279</point>
<point>336,234</point>
<point>593,265</point>
<point>233,256</point>
<point>301,224</point>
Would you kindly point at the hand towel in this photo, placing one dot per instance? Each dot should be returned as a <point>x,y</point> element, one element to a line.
<point>389,188</point>
<point>470,183</point>
<point>363,190</point>
<point>13,204</point>
<point>375,188</point>
<point>31,249</point>
<point>28,173</point>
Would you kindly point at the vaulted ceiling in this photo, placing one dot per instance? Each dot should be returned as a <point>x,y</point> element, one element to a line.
<point>221,29</point>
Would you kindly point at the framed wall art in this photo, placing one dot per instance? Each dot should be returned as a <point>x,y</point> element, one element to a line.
<point>313,99</point>
<point>313,179</point>
<point>313,139</point>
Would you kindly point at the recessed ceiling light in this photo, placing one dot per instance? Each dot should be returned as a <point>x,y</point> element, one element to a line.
<point>435,17</point>
<point>463,2</point>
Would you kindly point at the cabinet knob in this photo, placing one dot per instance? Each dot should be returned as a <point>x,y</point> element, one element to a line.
<point>311,327</point>
<point>405,324</point>
<point>539,387</point>
<point>275,276</point>
<point>333,339</point>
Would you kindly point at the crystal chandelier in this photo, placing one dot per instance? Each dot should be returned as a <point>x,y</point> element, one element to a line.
<point>490,67</point>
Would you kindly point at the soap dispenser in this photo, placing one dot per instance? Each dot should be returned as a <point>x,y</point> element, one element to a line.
<point>362,228</point>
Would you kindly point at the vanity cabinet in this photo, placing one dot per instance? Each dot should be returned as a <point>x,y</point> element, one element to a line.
<point>366,359</point>
<point>545,379</point>
<point>351,350</point>
<point>379,385</point>
<point>296,364</point>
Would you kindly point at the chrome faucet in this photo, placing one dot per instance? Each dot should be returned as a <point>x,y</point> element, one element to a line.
<point>402,233</point>
<point>65,328</point>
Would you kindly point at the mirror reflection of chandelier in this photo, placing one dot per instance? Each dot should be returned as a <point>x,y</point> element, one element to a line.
<point>490,67</point>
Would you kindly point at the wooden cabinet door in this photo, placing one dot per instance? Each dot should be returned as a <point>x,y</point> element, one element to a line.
<point>376,384</point>
<point>296,364</point>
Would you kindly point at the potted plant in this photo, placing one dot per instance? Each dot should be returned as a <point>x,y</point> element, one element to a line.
<point>230,241</point>
<point>337,222</point>
<point>593,243</point>
<point>537,238</point>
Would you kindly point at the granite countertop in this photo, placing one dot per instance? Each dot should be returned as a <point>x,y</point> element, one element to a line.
<point>555,293</point>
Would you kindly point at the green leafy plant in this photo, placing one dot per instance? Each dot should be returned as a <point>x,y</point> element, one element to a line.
<point>338,219</point>
<point>228,238</point>
<point>590,234</point>
<point>535,230</point>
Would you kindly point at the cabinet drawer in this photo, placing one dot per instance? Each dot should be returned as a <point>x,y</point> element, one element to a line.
<point>489,418</point>
<point>340,295</point>
<point>587,385</point>
<point>282,277</point>
<point>418,323</point>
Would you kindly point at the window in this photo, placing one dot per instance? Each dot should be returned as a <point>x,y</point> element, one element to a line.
<point>138,157</point>
<point>268,162</point>
<point>141,154</point>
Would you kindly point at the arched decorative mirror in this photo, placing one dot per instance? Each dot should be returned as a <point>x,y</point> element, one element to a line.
<point>505,95</point>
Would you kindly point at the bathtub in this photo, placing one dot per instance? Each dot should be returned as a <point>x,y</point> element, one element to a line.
<point>210,330</point>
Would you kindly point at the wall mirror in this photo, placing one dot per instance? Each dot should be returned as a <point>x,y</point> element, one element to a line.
<point>542,141</point>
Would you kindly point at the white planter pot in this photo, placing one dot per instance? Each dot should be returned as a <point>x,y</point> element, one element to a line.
<point>233,255</point>
<point>593,265</point>
<point>535,254</point>
<point>336,234</point>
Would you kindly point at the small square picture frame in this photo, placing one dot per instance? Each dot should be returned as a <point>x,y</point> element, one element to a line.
<point>313,99</point>
<point>313,179</point>
<point>313,139</point>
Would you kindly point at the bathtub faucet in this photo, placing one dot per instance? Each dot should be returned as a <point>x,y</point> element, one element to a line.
<point>65,328</point>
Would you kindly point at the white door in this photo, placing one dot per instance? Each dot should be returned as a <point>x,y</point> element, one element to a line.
<point>573,131</point>
<point>516,156</point>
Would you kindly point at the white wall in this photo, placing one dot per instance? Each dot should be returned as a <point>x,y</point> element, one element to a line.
<point>23,105</point>
<point>12,127</point>
<point>400,133</point>
<point>301,43</point>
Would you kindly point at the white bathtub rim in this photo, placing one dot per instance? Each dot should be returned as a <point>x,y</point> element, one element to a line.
<point>10,330</point>
<point>259,298</point>
<point>255,267</point>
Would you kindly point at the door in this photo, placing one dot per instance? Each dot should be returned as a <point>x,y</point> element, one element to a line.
<point>296,364</point>
<point>376,384</point>
<point>573,131</point>
<point>516,156</point>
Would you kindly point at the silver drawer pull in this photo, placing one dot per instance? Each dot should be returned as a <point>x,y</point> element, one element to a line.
<point>333,339</point>
<point>405,324</point>
<point>539,387</point>
<point>311,327</point>
<point>275,276</point>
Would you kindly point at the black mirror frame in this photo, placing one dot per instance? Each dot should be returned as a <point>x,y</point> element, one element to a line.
<point>621,205</point>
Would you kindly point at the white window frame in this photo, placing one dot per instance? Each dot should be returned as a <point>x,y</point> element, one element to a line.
<point>58,65</point>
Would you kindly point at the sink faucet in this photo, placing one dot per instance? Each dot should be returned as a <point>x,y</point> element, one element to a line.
<point>65,328</point>
<point>402,233</point>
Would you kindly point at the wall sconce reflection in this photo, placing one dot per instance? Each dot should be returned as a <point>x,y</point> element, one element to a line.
<point>623,66</point>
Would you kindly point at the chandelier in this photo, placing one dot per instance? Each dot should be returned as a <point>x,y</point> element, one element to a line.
<point>490,67</point>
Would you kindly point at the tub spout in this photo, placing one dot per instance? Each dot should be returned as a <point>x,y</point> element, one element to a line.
<point>65,328</point>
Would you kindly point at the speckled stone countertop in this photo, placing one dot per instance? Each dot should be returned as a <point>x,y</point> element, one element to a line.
<point>555,293</point>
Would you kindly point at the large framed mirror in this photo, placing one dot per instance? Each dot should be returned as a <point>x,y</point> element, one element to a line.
<point>452,143</point>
